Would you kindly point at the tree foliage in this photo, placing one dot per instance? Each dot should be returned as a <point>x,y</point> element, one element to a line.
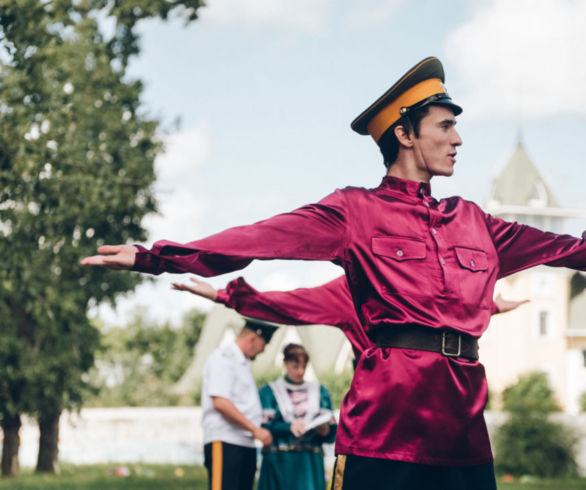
<point>139,363</point>
<point>532,394</point>
<point>529,442</point>
<point>76,161</point>
<point>337,384</point>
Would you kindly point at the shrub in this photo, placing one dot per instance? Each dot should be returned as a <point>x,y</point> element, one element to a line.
<point>528,442</point>
<point>530,395</point>
<point>533,445</point>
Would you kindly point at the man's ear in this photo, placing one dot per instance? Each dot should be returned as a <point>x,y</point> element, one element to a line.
<point>403,137</point>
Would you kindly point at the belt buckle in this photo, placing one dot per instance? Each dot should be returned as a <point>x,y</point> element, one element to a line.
<point>451,354</point>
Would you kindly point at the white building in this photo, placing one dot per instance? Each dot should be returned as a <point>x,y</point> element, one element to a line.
<point>548,333</point>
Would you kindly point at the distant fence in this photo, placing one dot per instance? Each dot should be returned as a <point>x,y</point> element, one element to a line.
<point>169,435</point>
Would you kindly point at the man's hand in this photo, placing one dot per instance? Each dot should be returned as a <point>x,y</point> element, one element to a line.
<point>505,305</point>
<point>200,288</point>
<point>263,435</point>
<point>297,428</point>
<point>117,257</point>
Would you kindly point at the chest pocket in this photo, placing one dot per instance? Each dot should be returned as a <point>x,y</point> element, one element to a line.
<point>401,260</point>
<point>472,277</point>
<point>398,248</point>
<point>471,259</point>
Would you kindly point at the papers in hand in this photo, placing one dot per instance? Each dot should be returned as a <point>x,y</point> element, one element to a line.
<point>323,418</point>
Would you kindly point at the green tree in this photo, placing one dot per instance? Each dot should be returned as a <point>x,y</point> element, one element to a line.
<point>337,384</point>
<point>76,160</point>
<point>529,442</point>
<point>139,363</point>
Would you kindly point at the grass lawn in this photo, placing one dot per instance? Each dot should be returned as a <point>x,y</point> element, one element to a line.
<point>169,477</point>
<point>577,484</point>
<point>100,477</point>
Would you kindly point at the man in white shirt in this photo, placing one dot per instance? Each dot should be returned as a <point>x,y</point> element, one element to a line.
<point>231,408</point>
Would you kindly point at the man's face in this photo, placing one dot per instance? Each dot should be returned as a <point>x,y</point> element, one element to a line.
<point>435,148</point>
<point>256,345</point>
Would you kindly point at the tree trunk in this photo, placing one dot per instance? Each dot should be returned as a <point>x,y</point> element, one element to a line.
<point>10,426</point>
<point>47,461</point>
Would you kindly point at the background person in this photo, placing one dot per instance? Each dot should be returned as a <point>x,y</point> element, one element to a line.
<point>300,417</point>
<point>231,409</point>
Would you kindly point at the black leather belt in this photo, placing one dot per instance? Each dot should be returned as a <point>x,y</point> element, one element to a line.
<point>447,342</point>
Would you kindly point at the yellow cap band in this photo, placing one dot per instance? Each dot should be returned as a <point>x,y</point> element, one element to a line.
<point>390,114</point>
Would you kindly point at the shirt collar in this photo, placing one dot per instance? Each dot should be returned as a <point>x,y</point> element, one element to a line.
<point>408,190</point>
<point>407,187</point>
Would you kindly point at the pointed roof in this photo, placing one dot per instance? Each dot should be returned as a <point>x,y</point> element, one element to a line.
<point>521,184</point>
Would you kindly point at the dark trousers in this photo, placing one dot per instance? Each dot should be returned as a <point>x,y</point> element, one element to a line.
<point>230,467</point>
<point>359,473</point>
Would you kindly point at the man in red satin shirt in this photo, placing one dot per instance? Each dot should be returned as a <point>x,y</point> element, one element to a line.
<point>421,274</point>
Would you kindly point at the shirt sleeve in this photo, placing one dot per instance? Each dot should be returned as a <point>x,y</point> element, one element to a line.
<point>494,309</point>
<point>330,304</point>
<point>272,418</point>
<point>520,247</point>
<point>220,377</point>
<point>312,232</point>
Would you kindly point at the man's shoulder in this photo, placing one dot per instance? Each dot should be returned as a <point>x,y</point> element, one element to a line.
<point>353,192</point>
<point>453,201</point>
<point>223,354</point>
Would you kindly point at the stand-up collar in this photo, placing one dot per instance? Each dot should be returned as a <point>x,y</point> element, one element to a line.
<point>406,187</point>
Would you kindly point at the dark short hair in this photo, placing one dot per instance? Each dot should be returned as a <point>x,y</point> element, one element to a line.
<point>295,352</point>
<point>388,143</point>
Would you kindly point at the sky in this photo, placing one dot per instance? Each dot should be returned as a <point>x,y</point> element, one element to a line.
<point>256,99</point>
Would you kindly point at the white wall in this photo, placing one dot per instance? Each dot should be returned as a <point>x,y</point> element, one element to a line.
<point>170,435</point>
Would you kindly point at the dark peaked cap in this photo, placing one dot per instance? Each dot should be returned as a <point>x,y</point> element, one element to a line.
<point>262,328</point>
<point>420,86</point>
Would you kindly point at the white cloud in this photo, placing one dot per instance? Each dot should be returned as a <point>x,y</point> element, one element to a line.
<point>521,58</point>
<point>180,209</point>
<point>278,281</point>
<point>371,12</point>
<point>305,15</point>
<point>179,217</point>
<point>185,152</point>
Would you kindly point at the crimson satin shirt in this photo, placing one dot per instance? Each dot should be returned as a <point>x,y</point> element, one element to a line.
<point>408,259</point>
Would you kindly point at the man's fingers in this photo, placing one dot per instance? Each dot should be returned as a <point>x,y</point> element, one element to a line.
<point>110,249</point>
<point>93,260</point>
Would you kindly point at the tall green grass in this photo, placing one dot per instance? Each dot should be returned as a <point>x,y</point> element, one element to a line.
<point>102,477</point>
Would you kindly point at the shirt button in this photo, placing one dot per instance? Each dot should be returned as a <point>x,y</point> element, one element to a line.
<point>400,253</point>
<point>443,261</point>
<point>472,263</point>
<point>434,231</point>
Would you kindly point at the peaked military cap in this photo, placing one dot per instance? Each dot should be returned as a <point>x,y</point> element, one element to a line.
<point>420,86</point>
<point>262,328</point>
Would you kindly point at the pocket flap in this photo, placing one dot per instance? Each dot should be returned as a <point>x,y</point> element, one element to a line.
<point>474,260</point>
<point>398,248</point>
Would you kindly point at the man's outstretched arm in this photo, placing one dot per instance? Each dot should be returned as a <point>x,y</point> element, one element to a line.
<point>312,232</point>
